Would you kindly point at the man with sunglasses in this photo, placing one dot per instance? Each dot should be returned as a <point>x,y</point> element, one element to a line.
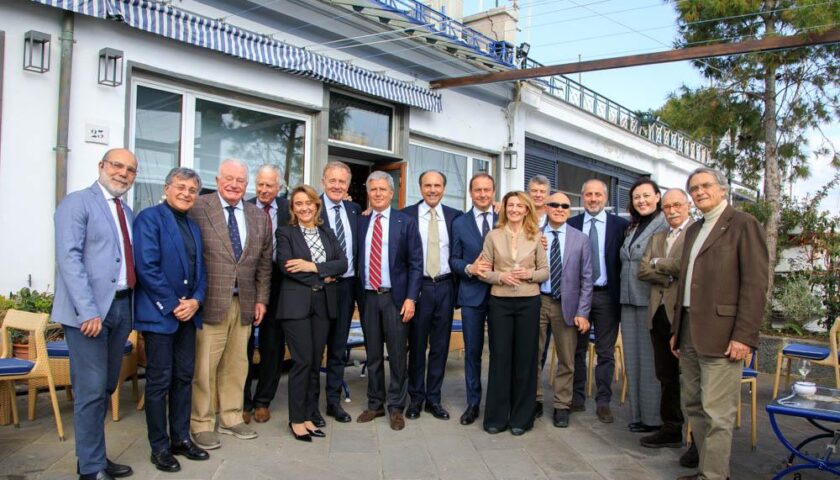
<point>566,299</point>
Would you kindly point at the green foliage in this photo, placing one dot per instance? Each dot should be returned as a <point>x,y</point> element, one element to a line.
<point>28,301</point>
<point>798,302</point>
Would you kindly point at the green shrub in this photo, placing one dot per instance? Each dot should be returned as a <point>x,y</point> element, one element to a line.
<point>799,304</point>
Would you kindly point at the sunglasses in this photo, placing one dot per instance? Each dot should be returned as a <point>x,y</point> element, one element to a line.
<point>564,206</point>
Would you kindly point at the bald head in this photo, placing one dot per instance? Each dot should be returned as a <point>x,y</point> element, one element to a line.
<point>558,208</point>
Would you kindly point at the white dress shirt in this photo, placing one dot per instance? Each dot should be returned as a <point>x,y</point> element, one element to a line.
<point>239,213</point>
<point>329,206</point>
<point>386,274</point>
<point>545,287</point>
<point>122,279</point>
<point>601,226</point>
<point>424,216</point>
<point>479,218</point>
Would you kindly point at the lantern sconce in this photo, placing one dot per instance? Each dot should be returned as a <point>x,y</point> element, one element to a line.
<point>36,51</point>
<point>510,158</point>
<point>110,67</point>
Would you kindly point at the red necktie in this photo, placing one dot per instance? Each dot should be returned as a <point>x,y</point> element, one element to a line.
<point>129,253</point>
<point>267,210</point>
<point>375,274</point>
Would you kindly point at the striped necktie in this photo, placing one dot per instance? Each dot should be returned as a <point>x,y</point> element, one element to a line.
<point>375,273</point>
<point>556,265</point>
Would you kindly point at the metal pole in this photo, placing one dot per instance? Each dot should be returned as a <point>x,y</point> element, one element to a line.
<point>66,68</point>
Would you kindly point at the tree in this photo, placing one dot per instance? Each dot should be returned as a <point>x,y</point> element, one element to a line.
<point>795,91</point>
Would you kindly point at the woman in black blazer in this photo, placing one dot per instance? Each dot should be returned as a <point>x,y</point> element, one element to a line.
<point>310,258</point>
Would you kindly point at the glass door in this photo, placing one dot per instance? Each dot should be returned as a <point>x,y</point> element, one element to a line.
<point>397,171</point>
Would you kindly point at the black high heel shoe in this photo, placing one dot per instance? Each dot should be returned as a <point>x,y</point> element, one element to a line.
<point>303,438</point>
<point>317,433</point>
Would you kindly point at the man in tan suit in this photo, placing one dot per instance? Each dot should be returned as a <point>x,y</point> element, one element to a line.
<point>660,266</point>
<point>237,242</point>
<point>721,297</point>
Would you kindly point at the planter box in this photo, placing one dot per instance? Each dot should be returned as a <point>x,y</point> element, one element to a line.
<point>769,346</point>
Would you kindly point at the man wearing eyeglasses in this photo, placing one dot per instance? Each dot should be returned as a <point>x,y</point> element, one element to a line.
<point>566,299</point>
<point>93,300</point>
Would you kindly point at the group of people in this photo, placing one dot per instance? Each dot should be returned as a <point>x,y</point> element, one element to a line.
<point>197,274</point>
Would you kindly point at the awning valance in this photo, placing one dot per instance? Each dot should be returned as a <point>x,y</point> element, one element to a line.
<point>177,24</point>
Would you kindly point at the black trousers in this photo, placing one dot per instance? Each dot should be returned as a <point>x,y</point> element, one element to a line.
<point>170,362</point>
<point>382,325</point>
<point>432,327</point>
<point>337,338</point>
<point>514,332</point>
<point>271,345</point>
<point>306,338</point>
<point>605,318</point>
<point>667,371</point>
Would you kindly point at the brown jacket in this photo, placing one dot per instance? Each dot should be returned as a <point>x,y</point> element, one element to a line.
<point>663,277</point>
<point>728,286</point>
<point>253,271</point>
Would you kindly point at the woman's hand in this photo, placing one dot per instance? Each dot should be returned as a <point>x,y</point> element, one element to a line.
<point>522,273</point>
<point>509,278</point>
<point>299,265</point>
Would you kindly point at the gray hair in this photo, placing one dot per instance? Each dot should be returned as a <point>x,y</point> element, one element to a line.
<point>678,190</point>
<point>603,184</point>
<point>270,167</point>
<point>540,180</point>
<point>720,177</point>
<point>380,175</point>
<point>182,173</point>
<point>235,161</point>
<point>336,164</point>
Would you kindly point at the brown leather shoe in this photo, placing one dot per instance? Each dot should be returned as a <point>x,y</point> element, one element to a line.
<point>262,415</point>
<point>369,415</point>
<point>246,416</point>
<point>397,420</point>
<point>604,414</point>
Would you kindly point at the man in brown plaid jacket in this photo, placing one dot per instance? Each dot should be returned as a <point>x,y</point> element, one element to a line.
<point>237,242</point>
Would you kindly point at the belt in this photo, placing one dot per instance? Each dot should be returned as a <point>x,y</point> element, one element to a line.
<point>439,278</point>
<point>318,288</point>
<point>602,288</point>
<point>120,294</point>
<point>379,291</point>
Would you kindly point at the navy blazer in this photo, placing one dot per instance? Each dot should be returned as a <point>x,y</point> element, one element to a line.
<point>405,255</point>
<point>282,211</point>
<point>162,267</point>
<point>616,226</point>
<point>353,211</point>
<point>466,244</point>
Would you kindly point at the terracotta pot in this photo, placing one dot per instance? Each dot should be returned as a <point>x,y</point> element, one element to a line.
<point>20,350</point>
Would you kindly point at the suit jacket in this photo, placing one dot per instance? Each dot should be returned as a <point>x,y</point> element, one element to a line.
<point>530,255</point>
<point>662,277</point>
<point>728,285</point>
<point>616,227</point>
<point>449,216</point>
<point>87,255</point>
<point>405,255</point>
<point>163,270</point>
<point>353,211</point>
<point>634,291</point>
<point>276,276</point>
<point>466,244</point>
<point>576,276</point>
<point>252,272</point>
<point>282,211</point>
<point>296,288</point>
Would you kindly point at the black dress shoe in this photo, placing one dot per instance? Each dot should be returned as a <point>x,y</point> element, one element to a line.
<point>538,409</point>
<point>338,413</point>
<point>413,411</point>
<point>165,462</point>
<point>470,414</point>
<point>494,430</point>
<point>317,433</point>
<point>190,450</point>
<point>437,411</point>
<point>103,475</point>
<point>577,407</point>
<point>516,431</point>
<point>561,418</point>
<point>639,427</point>
<point>317,419</point>
<point>118,471</point>
<point>303,438</point>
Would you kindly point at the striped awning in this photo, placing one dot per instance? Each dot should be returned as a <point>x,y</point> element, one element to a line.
<point>177,24</point>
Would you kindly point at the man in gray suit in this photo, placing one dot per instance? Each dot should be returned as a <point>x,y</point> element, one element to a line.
<point>566,300</point>
<point>93,286</point>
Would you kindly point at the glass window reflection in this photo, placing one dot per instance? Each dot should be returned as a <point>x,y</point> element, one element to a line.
<point>359,122</point>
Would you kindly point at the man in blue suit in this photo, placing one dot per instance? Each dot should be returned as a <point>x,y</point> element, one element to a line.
<point>96,275</point>
<point>566,299</point>
<point>468,235</point>
<point>342,217</point>
<point>171,283</point>
<point>390,266</point>
<point>432,325</point>
<point>606,235</point>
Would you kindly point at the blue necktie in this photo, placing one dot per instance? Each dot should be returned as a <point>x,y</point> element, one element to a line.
<point>596,253</point>
<point>556,266</point>
<point>485,226</point>
<point>339,228</point>
<point>233,231</point>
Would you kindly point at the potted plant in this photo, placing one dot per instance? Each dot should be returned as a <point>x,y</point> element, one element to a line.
<point>28,301</point>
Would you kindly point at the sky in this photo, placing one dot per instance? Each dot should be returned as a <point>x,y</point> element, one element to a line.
<point>560,30</point>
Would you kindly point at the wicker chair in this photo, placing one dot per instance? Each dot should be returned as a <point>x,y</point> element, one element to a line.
<point>620,371</point>
<point>38,365</point>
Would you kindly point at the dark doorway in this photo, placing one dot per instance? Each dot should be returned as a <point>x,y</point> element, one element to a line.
<point>357,188</point>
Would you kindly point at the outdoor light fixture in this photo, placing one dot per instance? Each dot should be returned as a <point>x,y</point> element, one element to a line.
<point>522,51</point>
<point>647,119</point>
<point>510,158</point>
<point>110,67</point>
<point>36,51</point>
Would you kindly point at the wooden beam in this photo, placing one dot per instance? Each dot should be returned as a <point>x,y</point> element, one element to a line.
<point>689,53</point>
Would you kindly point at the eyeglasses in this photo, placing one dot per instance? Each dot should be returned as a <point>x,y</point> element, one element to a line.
<point>119,166</point>
<point>675,205</point>
<point>185,189</point>
<point>705,186</point>
<point>564,206</point>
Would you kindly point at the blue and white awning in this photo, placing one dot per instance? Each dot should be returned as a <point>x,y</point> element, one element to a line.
<point>183,26</point>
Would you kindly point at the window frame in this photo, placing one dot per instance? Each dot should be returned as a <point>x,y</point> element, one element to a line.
<point>470,156</point>
<point>392,133</point>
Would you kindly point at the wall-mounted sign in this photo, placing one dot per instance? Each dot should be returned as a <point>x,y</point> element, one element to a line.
<point>96,134</point>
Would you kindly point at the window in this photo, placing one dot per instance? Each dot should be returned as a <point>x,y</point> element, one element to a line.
<point>359,122</point>
<point>457,167</point>
<point>177,127</point>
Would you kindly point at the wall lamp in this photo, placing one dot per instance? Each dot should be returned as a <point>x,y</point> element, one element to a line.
<point>110,67</point>
<point>36,51</point>
<point>510,158</point>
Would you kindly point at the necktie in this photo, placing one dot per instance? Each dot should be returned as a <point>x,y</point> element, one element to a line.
<point>375,274</point>
<point>556,265</point>
<point>130,277</point>
<point>593,246</point>
<point>485,225</point>
<point>433,246</point>
<point>267,210</point>
<point>670,239</point>
<point>339,228</point>
<point>233,232</point>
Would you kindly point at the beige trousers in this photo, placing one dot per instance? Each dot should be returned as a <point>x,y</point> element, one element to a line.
<point>565,342</point>
<point>221,365</point>
<point>709,388</point>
